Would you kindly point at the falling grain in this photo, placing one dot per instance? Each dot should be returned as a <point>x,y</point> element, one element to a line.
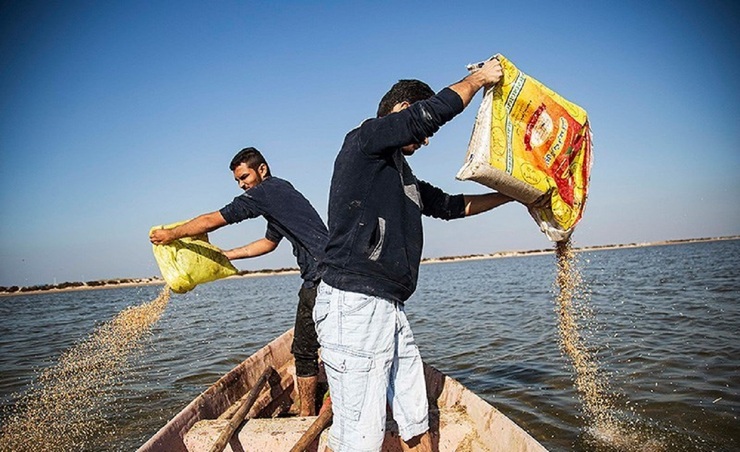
<point>608,432</point>
<point>63,409</point>
<point>591,386</point>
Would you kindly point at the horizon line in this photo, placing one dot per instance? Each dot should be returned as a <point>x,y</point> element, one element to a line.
<point>109,283</point>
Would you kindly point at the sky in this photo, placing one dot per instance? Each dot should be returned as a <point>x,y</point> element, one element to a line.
<point>119,116</point>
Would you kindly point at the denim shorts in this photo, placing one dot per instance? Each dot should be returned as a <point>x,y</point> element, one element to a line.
<point>371,361</point>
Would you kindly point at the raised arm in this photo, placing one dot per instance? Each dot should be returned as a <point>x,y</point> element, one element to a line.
<point>415,123</point>
<point>475,204</point>
<point>487,75</point>
<point>200,225</point>
<point>254,249</point>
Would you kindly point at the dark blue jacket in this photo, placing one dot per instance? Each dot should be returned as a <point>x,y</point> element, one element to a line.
<point>376,202</point>
<point>288,214</point>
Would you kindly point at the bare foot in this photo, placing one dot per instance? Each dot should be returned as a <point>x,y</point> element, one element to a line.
<point>420,443</point>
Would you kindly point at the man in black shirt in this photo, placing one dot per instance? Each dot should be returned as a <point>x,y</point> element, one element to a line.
<point>372,262</point>
<point>290,215</point>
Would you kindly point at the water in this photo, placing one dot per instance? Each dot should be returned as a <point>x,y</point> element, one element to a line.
<point>663,331</point>
<point>66,405</point>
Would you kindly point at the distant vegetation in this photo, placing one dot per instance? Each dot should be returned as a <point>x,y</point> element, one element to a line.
<point>157,280</point>
<point>267,271</point>
<point>109,283</point>
<point>78,285</point>
<point>585,248</point>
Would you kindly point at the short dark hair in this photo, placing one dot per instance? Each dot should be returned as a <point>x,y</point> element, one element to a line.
<point>404,91</point>
<point>252,157</point>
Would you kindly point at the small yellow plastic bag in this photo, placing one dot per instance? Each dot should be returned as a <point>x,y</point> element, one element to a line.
<point>190,261</point>
<point>529,143</point>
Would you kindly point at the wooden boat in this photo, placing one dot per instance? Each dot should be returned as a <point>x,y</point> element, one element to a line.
<point>459,420</point>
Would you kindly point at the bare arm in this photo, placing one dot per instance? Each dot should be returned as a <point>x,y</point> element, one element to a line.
<point>254,249</point>
<point>487,75</point>
<point>475,204</point>
<point>200,225</point>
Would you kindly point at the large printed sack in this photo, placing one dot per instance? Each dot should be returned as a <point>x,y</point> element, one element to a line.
<point>534,146</point>
<point>190,261</point>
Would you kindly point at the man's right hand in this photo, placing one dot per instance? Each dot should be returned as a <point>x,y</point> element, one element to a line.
<point>203,224</point>
<point>161,236</point>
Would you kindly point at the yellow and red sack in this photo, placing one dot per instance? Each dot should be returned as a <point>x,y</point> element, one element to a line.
<point>190,261</point>
<point>529,142</point>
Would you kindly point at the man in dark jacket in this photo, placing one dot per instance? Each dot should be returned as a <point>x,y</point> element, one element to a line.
<point>290,215</point>
<point>372,262</point>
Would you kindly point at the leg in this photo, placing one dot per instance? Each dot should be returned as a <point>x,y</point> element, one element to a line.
<point>307,395</point>
<point>305,349</point>
<point>356,336</point>
<point>420,443</point>
<point>407,392</point>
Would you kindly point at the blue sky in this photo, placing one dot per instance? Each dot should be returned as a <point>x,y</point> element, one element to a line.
<point>117,116</point>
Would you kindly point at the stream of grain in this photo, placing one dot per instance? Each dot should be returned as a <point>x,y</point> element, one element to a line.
<point>65,406</point>
<point>608,428</point>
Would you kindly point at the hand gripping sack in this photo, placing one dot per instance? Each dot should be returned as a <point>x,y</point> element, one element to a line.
<point>532,145</point>
<point>190,261</point>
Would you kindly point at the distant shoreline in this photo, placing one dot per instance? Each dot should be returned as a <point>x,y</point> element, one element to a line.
<point>156,280</point>
<point>502,254</point>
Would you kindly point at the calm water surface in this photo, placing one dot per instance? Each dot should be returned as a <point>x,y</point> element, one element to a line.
<point>664,328</point>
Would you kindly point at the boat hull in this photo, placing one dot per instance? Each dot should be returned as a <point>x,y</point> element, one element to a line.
<point>458,417</point>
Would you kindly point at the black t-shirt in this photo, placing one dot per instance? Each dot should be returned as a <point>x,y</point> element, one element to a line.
<point>288,214</point>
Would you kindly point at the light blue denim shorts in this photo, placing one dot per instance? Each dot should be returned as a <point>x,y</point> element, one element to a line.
<point>371,360</point>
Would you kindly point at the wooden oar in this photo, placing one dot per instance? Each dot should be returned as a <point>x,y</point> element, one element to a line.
<point>241,413</point>
<point>315,429</point>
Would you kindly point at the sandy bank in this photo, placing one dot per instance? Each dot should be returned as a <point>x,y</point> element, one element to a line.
<point>128,282</point>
